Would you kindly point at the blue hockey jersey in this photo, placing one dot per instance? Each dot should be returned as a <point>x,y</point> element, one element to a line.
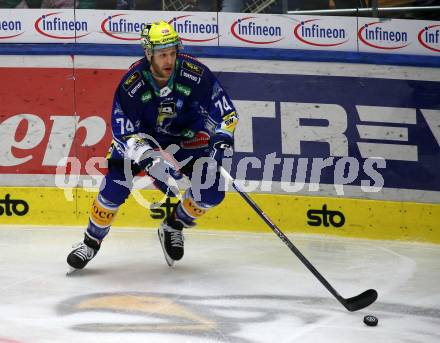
<point>192,101</point>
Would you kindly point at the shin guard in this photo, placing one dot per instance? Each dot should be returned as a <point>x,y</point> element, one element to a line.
<point>189,210</point>
<point>102,215</point>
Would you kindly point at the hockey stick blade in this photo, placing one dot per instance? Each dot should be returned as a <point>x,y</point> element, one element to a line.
<point>360,301</point>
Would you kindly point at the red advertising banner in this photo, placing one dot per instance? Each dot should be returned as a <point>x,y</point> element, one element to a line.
<point>48,114</point>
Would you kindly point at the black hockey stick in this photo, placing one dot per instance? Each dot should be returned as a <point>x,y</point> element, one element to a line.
<point>352,304</point>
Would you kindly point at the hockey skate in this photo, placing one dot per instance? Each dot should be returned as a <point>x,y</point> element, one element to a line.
<point>171,240</point>
<point>82,253</point>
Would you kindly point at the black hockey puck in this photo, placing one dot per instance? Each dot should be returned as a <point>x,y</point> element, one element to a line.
<point>370,320</point>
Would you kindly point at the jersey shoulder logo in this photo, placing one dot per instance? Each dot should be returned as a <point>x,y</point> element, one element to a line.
<point>130,81</point>
<point>193,68</point>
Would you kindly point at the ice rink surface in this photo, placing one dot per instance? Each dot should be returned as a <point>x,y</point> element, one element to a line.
<point>229,287</point>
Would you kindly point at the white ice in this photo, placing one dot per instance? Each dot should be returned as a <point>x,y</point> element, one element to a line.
<point>229,287</point>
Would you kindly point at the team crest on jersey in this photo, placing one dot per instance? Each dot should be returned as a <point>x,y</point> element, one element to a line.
<point>192,68</point>
<point>167,112</point>
<point>131,80</point>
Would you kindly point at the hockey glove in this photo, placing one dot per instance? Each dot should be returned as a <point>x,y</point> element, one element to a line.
<point>155,164</point>
<point>200,140</point>
<point>218,144</point>
<point>165,175</point>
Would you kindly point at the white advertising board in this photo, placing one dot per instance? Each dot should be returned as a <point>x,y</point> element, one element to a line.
<point>102,27</point>
<point>395,36</point>
<point>398,36</point>
<point>254,30</point>
<point>288,32</point>
<point>323,33</point>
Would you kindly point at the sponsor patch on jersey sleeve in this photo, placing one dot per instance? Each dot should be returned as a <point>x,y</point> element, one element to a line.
<point>229,122</point>
<point>191,67</point>
<point>131,80</point>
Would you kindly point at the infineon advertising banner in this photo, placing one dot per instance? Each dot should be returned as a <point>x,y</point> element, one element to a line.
<point>288,32</point>
<point>106,27</point>
<point>41,26</point>
<point>325,33</point>
<point>124,27</point>
<point>428,37</point>
<point>397,36</point>
<point>254,30</point>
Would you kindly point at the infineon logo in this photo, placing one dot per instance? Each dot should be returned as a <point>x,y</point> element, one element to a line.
<point>10,29</point>
<point>54,26</point>
<point>118,27</point>
<point>248,30</point>
<point>377,37</point>
<point>429,38</point>
<point>193,31</point>
<point>312,33</point>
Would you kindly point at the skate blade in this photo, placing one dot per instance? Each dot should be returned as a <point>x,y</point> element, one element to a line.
<point>71,271</point>
<point>169,260</point>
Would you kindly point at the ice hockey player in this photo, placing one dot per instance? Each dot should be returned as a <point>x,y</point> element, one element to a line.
<point>165,98</point>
